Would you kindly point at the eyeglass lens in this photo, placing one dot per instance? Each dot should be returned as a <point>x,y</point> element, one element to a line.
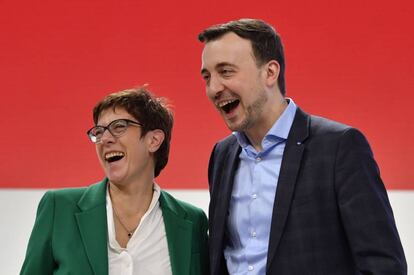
<point>116,128</point>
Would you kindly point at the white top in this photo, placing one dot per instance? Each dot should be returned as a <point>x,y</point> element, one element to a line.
<point>147,250</point>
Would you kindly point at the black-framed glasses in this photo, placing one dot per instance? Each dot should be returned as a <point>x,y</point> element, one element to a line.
<point>117,128</point>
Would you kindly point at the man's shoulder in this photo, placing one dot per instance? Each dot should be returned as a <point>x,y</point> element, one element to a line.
<point>230,139</point>
<point>317,128</point>
<point>226,143</point>
<point>322,125</point>
<point>304,119</point>
<point>327,131</point>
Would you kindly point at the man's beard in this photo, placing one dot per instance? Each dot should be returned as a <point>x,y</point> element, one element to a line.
<point>253,112</point>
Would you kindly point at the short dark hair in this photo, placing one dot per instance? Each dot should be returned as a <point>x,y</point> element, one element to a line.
<point>153,112</point>
<point>266,42</point>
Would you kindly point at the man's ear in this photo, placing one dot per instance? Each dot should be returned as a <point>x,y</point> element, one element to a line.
<point>272,70</point>
<point>155,139</point>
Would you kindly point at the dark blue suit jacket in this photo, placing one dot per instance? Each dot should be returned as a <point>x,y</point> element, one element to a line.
<point>331,213</point>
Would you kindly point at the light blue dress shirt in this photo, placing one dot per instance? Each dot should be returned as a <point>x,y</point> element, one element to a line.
<point>252,198</point>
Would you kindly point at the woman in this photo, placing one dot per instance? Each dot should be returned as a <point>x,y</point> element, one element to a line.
<point>124,224</point>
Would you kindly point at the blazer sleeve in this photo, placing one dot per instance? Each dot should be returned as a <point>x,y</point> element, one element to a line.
<point>365,209</point>
<point>39,255</point>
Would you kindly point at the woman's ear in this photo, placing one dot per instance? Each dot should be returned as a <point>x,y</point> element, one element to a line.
<point>155,139</point>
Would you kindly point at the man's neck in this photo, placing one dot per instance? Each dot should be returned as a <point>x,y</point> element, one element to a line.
<point>256,133</point>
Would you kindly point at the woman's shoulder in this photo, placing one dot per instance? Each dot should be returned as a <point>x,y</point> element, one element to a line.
<point>74,195</point>
<point>169,201</point>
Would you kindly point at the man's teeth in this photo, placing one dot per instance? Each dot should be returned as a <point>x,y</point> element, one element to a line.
<point>113,154</point>
<point>224,103</point>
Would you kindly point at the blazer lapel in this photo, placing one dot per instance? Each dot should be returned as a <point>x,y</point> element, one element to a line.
<point>179,234</point>
<point>292,157</point>
<point>92,225</point>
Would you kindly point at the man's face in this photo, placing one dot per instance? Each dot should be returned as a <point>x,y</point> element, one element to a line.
<point>234,82</point>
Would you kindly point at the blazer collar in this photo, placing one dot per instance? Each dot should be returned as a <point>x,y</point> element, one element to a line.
<point>179,234</point>
<point>92,225</point>
<point>289,170</point>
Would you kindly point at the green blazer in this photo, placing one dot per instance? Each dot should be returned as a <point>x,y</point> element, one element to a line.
<point>70,234</point>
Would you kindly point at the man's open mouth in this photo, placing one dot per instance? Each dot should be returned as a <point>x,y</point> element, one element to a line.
<point>114,156</point>
<point>228,105</point>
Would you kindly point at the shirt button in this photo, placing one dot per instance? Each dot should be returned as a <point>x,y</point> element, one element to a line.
<point>253,234</point>
<point>250,268</point>
<point>258,159</point>
<point>254,196</point>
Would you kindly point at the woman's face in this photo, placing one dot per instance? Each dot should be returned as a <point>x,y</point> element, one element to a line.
<point>126,158</point>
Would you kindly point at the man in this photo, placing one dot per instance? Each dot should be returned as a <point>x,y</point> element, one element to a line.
<point>291,193</point>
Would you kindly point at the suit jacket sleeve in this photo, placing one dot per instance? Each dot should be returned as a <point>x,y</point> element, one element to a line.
<point>39,256</point>
<point>365,209</point>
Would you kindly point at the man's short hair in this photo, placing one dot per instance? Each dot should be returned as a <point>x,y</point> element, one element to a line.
<point>266,42</point>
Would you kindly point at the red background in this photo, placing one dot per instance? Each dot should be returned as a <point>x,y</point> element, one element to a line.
<point>351,61</point>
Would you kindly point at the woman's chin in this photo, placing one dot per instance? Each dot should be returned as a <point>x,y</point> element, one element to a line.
<point>115,178</point>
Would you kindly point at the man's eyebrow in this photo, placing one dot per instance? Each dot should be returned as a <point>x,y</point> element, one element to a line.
<point>218,66</point>
<point>223,64</point>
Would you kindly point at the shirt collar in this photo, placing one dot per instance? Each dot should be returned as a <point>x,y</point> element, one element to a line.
<point>154,206</point>
<point>279,130</point>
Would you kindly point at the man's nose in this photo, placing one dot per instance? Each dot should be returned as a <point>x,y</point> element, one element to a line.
<point>214,87</point>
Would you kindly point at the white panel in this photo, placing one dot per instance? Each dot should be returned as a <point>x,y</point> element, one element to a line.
<point>18,210</point>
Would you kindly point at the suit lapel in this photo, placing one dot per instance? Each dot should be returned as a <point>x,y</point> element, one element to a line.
<point>226,166</point>
<point>92,225</point>
<point>179,234</point>
<point>291,161</point>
